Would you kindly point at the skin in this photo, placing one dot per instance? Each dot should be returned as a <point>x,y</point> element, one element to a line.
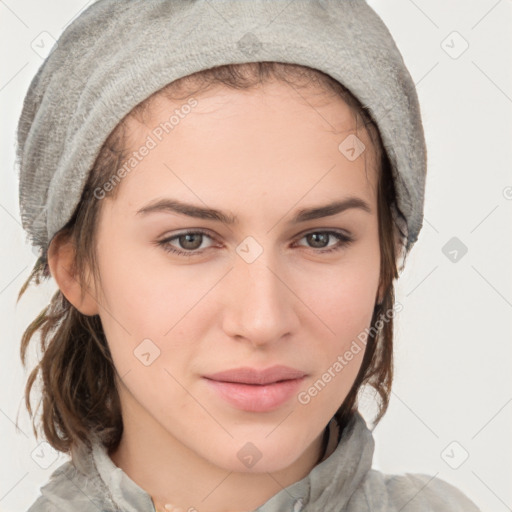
<point>260,155</point>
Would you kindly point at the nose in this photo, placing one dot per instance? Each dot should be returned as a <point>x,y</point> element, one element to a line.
<point>260,305</point>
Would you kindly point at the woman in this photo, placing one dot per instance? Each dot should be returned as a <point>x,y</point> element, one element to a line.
<point>222,193</point>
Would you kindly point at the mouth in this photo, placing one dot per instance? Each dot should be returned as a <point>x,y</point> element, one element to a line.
<point>253,390</point>
<point>247,375</point>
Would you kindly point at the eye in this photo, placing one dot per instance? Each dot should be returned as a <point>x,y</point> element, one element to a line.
<point>320,238</point>
<point>189,240</point>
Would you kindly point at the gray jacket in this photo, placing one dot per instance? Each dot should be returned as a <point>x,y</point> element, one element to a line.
<point>342,482</point>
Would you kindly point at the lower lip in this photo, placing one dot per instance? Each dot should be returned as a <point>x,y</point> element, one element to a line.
<point>255,398</point>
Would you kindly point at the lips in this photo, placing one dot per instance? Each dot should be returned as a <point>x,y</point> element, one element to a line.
<point>248,375</point>
<point>256,391</point>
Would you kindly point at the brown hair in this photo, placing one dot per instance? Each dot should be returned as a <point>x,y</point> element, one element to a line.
<point>79,394</point>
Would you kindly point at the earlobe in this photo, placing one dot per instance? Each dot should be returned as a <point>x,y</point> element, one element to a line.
<point>61,260</point>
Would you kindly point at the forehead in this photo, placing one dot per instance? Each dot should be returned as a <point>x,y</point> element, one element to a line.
<point>273,139</point>
<point>328,111</point>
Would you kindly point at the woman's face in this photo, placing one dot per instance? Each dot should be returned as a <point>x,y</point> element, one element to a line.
<point>257,292</point>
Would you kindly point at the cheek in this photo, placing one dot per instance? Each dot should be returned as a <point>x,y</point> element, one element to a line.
<point>142,292</point>
<point>342,300</point>
<point>343,295</point>
<point>346,311</point>
<point>150,309</point>
<point>345,307</point>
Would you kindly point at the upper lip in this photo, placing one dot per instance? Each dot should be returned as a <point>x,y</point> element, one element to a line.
<point>247,375</point>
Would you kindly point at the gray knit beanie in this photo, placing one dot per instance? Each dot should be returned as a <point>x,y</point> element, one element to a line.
<point>118,52</point>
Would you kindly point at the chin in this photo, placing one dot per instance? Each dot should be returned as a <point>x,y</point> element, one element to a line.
<point>258,456</point>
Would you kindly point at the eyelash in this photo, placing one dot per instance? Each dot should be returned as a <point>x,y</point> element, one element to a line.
<point>343,241</point>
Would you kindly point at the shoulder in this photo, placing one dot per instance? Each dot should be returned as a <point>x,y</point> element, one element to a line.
<point>413,492</point>
<point>45,502</point>
<point>66,489</point>
<point>426,492</point>
<point>41,505</point>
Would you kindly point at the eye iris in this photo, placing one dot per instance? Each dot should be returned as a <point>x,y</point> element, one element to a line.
<point>187,238</point>
<point>315,236</point>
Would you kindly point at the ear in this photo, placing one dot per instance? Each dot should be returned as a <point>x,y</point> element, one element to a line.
<point>61,260</point>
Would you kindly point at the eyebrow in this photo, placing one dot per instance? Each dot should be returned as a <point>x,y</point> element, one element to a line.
<point>174,206</point>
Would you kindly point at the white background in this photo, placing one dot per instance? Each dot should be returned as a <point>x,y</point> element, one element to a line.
<point>453,338</point>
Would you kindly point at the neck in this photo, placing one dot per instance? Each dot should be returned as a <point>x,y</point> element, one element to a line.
<point>177,477</point>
